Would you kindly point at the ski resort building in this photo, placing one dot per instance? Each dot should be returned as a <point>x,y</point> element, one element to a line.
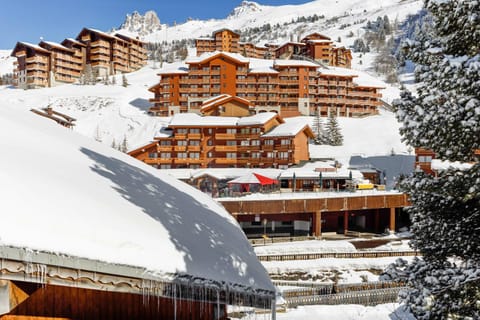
<point>112,238</point>
<point>289,87</point>
<point>227,135</point>
<point>314,46</point>
<point>48,64</point>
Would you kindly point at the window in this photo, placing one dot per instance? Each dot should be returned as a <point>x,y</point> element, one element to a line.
<point>231,143</point>
<point>182,155</point>
<point>245,130</point>
<point>231,155</point>
<point>255,142</point>
<point>165,155</point>
<point>194,155</point>
<point>425,159</point>
<point>182,130</point>
<point>244,143</point>
<point>285,142</point>
<point>231,130</point>
<point>268,142</point>
<point>195,130</point>
<point>255,155</point>
<point>165,166</point>
<point>181,143</point>
<point>194,142</point>
<point>282,155</point>
<point>152,155</point>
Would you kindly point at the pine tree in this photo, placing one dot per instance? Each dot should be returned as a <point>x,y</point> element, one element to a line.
<point>444,116</point>
<point>333,136</point>
<point>114,144</point>
<point>318,128</point>
<point>98,134</point>
<point>124,145</point>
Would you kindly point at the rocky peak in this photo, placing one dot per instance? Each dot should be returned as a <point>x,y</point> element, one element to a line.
<point>245,8</point>
<point>142,25</point>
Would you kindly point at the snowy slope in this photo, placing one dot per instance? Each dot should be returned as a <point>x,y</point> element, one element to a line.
<point>251,14</point>
<point>64,193</point>
<point>6,62</point>
<point>104,112</point>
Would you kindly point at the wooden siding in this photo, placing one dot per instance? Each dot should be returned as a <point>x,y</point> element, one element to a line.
<point>295,206</point>
<point>77,303</point>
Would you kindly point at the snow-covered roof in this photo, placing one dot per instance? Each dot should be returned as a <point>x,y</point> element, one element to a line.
<point>208,55</point>
<point>292,62</point>
<point>34,46</point>
<point>57,45</point>
<point>291,127</point>
<point>320,41</point>
<point>359,78</point>
<point>193,119</point>
<point>174,69</point>
<point>84,199</point>
<point>259,118</point>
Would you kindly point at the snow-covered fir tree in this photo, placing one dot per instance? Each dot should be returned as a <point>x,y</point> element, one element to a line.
<point>444,116</point>
<point>317,127</point>
<point>333,135</point>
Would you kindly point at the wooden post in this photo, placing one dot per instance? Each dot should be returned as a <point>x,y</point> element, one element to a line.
<point>392,219</point>
<point>345,222</point>
<point>317,222</point>
<point>377,220</point>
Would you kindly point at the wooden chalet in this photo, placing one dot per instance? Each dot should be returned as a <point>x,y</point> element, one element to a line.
<point>33,65</point>
<point>312,214</point>
<point>289,87</point>
<point>228,136</point>
<point>314,46</point>
<point>66,64</point>
<point>48,64</point>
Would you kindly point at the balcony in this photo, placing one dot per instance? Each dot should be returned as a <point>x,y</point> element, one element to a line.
<point>226,148</point>
<point>229,161</point>
<point>100,43</point>
<point>37,59</point>
<point>179,148</point>
<point>164,148</point>
<point>225,136</point>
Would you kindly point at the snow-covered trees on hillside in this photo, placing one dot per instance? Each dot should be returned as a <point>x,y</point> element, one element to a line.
<point>444,116</point>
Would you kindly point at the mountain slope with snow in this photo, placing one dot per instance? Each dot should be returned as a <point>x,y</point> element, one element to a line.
<point>336,15</point>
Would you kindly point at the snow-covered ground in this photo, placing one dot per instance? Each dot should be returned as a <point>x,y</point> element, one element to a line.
<point>6,62</point>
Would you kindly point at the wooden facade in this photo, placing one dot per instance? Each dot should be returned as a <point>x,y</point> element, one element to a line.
<point>290,87</point>
<point>49,63</point>
<point>340,213</point>
<point>314,46</point>
<point>73,303</point>
<point>200,143</point>
<point>33,65</point>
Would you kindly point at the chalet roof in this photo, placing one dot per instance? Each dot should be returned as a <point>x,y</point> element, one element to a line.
<point>224,29</point>
<point>73,41</point>
<point>103,34</point>
<point>222,99</point>
<point>290,128</point>
<point>129,38</point>
<point>316,35</point>
<point>56,45</point>
<point>207,56</point>
<point>196,120</point>
<point>320,41</point>
<point>294,63</point>
<point>30,45</point>
<point>110,217</point>
<point>290,43</point>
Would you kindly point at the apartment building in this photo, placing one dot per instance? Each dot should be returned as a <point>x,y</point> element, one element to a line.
<point>288,87</point>
<point>48,64</point>
<point>33,65</point>
<point>314,46</point>
<point>214,139</point>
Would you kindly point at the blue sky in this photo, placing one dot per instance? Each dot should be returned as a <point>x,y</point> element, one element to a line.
<point>55,20</point>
